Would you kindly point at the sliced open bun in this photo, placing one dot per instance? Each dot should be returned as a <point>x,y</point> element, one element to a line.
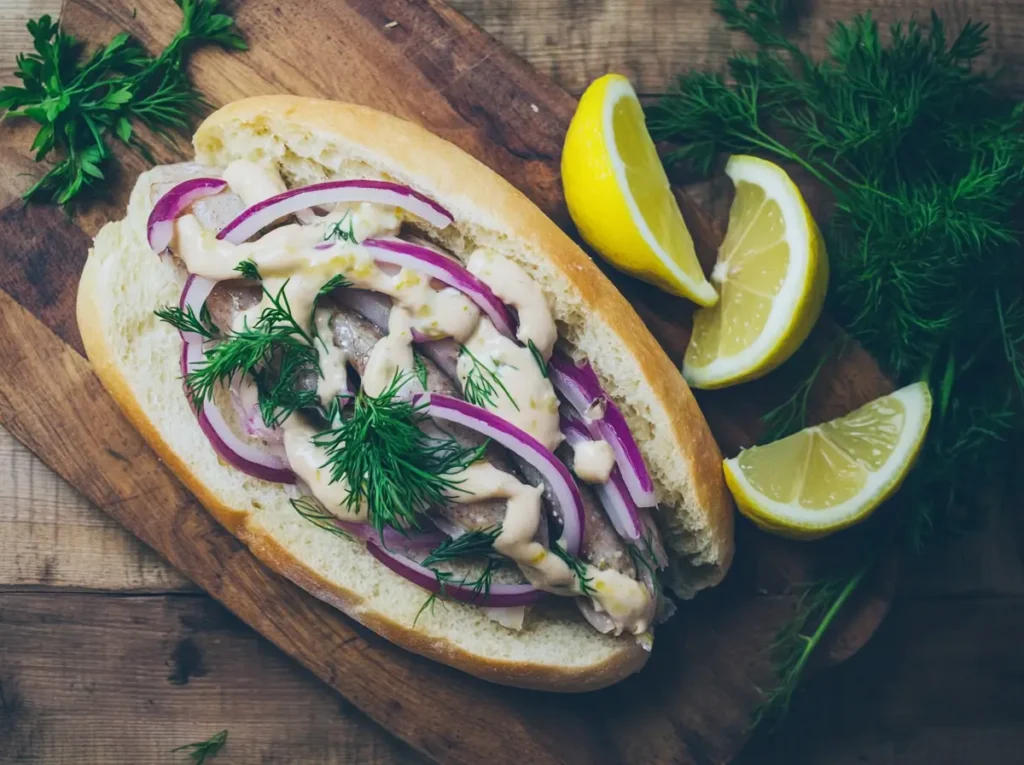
<point>137,358</point>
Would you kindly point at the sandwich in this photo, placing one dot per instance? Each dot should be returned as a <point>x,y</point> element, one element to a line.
<point>404,388</point>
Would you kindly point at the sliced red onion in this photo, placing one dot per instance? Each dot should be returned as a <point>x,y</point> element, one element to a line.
<point>252,422</point>
<point>232,449</point>
<point>521,443</point>
<point>437,266</point>
<point>197,289</point>
<point>262,214</point>
<point>160,227</point>
<point>393,538</point>
<point>578,384</point>
<point>499,595</point>
<point>614,497</point>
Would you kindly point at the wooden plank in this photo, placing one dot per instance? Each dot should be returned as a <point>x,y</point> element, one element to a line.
<point>66,696</point>
<point>52,537</point>
<point>941,684</point>
<point>123,680</point>
<point>653,41</point>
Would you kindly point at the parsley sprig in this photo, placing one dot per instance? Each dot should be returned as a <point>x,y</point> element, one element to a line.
<point>80,103</point>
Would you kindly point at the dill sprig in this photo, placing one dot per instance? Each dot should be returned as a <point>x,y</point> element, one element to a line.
<point>539,358</point>
<point>338,232</point>
<point>201,751</point>
<point>80,103</point>
<point>275,348</point>
<point>396,472</point>
<point>483,383</point>
<point>185,320</point>
<point>577,566</point>
<point>420,369</point>
<point>314,512</point>
<point>336,281</point>
<point>477,543</point>
<point>249,270</point>
<point>922,155</point>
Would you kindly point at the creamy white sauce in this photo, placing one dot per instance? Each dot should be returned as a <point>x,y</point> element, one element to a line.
<point>625,601</point>
<point>593,461</point>
<point>511,283</point>
<point>288,258</point>
<point>332,359</point>
<point>306,459</point>
<point>527,400</point>
<point>252,182</point>
<point>392,356</point>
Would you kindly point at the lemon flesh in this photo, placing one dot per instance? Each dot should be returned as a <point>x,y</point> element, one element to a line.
<point>619,196</point>
<point>772,275</point>
<point>831,476</point>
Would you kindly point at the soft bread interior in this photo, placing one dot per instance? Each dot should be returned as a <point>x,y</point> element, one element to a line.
<point>137,357</point>
<point>309,140</point>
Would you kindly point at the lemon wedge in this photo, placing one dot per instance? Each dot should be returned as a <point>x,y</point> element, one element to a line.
<point>831,476</point>
<point>772,275</point>
<point>619,196</point>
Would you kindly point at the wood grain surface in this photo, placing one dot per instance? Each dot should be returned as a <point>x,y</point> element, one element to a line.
<point>82,672</point>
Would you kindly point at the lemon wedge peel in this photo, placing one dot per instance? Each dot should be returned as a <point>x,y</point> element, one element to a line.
<point>796,305</point>
<point>792,520</point>
<point>602,203</point>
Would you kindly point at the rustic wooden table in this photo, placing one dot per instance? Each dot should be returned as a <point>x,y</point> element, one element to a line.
<point>107,655</point>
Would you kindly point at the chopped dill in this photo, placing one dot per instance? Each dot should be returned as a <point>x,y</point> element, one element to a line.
<point>482,383</point>
<point>249,270</point>
<point>314,512</point>
<point>577,566</point>
<point>538,357</point>
<point>185,320</point>
<point>420,368</point>
<point>201,751</point>
<point>338,232</point>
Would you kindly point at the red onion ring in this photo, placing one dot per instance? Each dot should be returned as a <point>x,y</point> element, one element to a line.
<point>197,289</point>
<point>579,386</point>
<point>160,226</point>
<point>614,496</point>
<point>393,538</point>
<point>521,443</point>
<point>262,214</point>
<point>499,595</point>
<point>246,457</point>
<point>437,266</point>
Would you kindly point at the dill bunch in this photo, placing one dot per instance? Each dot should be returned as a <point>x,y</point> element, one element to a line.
<point>923,157</point>
<point>79,103</point>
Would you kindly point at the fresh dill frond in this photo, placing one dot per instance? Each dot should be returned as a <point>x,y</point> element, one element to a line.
<point>276,350</point>
<point>249,270</point>
<point>922,153</point>
<point>577,566</point>
<point>795,644</point>
<point>420,369</point>
<point>478,543</point>
<point>314,512</point>
<point>336,281</point>
<point>396,472</point>
<point>790,416</point>
<point>185,320</point>
<point>81,103</point>
<point>201,751</point>
<point>339,232</point>
<point>538,357</point>
<point>483,383</point>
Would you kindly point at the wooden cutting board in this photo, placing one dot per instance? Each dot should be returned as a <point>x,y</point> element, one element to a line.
<point>421,60</point>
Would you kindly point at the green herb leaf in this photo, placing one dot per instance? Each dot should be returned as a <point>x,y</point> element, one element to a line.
<point>313,511</point>
<point>201,751</point>
<point>539,358</point>
<point>187,321</point>
<point>482,383</point>
<point>478,543</point>
<point>577,566</point>
<point>77,102</point>
<point>397,472</point>
<point>249,270</point>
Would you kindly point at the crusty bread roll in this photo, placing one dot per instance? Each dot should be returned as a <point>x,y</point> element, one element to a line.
<point>137,358</point>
